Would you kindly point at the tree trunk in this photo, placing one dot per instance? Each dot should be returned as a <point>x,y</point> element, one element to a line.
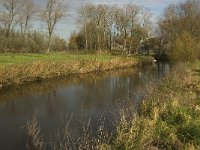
<point>98,42</point>
<point>104,39</point>
<point>86,39</point>
<point>130,46</point>
<point>49,44</point>
<point>125,44</point>
<point>125,40</point>
<point>86,44</point>
<point>111,42</point>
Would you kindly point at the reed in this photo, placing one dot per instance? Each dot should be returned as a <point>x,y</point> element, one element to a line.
<point>34,136</point>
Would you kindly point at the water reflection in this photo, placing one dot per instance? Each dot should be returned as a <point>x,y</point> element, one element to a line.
<point>49,100</point>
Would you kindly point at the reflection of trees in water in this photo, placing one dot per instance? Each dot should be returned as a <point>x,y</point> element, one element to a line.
<point>49,87</point>
<point>120,87</point>
<point>162,69</point>
<point>91,88</point>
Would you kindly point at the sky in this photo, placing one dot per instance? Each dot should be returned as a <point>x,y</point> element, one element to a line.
<point>68,24</point>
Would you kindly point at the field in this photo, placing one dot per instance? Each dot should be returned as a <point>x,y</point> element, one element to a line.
<point>13,58</point>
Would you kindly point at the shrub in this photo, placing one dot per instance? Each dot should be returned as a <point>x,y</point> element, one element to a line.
<point>184,48</point>
<point>33,42</point>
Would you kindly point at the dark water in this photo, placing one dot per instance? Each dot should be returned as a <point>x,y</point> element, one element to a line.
<point>93,94</point>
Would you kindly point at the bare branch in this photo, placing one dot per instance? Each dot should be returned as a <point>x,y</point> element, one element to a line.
<point>51,15</point>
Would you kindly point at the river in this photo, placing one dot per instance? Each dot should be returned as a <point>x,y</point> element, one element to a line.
<point>93,94</point>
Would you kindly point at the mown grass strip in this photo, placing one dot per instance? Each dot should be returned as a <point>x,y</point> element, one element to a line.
<point>12,58</point>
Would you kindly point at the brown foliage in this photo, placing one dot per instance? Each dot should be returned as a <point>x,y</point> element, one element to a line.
<point>184,48</point>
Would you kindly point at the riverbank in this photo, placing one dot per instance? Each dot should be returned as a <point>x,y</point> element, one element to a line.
<point>168,118</point>
<point>24,68</point>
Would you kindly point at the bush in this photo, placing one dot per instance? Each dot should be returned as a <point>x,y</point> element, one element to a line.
<point>184,48</point>
<point>33,42</point>
<point>58,44</point>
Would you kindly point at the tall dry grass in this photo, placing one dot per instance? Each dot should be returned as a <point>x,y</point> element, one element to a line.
<point>69,136</point>
<point>37,71</point>
<point>34,136</point>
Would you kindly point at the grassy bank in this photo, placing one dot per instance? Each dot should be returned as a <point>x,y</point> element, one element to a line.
<point>23,68</point>
<point>168,118</point>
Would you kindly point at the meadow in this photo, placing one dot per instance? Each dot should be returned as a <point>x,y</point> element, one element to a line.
<point>16,58</point>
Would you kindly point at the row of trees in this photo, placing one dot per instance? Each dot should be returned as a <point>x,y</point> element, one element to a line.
<point>180,31</point>
<point>102,27</point>
<point>32,41</point>
<point>16,17</point>
<point>111,27</point>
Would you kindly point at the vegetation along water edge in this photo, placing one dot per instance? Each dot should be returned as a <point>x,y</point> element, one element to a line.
<point>23,68</point>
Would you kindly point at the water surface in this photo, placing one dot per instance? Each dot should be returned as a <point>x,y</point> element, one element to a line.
<point>93,94</point>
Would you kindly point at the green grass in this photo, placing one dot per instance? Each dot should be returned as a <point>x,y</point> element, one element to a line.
<point>12,58</point>
<point>168,118</point>
<point>22,68</point>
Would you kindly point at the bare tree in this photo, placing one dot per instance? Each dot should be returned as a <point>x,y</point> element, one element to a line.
<point>178,18</point>
<point>110,26</point>
<point>104,25</point>
<point>28,10</point>
<point>51,15</point>
<point>10,14</point>
<point>122,23</point>
<point>83,20</point>
<point>179,22</point>
<point>134,12</point>
<point>87,18</point>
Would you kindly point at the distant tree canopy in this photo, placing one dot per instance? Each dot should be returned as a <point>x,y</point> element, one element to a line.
<point>16,17</point>
<point>31,42</point>
<point>105,27</point>
<point>76,41</point>
<point>180,31</point>
<point>121,29</point>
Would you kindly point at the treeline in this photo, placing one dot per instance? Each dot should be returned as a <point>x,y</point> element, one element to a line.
<point>126,28</point>
<point>179,29</point>
<point>17,18</point>
<point>106,27</point>
<point>30,42</point>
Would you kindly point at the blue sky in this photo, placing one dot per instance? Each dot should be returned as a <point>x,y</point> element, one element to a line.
<point>66,26</point>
